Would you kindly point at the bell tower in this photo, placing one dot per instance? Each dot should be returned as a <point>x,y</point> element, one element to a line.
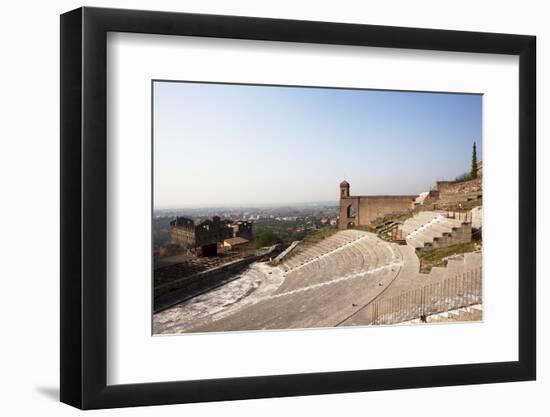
<point>344,189</point>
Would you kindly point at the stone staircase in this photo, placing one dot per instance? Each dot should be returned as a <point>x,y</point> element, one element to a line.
<point>456,265</point>
<point>432,229</point>
<point>470,313</point>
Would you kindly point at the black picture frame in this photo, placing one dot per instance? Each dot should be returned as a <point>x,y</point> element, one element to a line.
<point>84,207</point>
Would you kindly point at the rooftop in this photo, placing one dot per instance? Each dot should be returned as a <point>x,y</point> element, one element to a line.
<point>236,241</point>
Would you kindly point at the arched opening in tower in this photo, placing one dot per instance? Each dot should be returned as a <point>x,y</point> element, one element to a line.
<point>351,211</point>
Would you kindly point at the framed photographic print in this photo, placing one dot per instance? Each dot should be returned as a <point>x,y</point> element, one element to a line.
<point>258,207</point>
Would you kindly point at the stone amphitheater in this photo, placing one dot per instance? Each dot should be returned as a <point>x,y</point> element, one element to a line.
<point>331,283</point>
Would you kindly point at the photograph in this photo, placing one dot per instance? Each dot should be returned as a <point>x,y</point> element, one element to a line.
<point>281,207</point>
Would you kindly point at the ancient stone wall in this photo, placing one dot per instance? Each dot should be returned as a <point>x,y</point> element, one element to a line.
<point>362,210</point>
<point>450,188</point>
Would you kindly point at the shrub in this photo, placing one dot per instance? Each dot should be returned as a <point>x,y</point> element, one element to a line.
<point>267,238</point>
<point>464,177</point>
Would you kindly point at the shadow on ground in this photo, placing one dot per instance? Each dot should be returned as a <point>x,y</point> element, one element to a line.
<point>50,392</point>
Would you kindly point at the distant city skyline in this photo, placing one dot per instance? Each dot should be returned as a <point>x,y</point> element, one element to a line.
<point>228,145</point>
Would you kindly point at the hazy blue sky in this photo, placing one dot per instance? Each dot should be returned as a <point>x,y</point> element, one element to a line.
<point>221,145</point>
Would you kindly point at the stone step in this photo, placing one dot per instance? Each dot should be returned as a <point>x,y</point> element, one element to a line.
<point>415,243</point>
<point>450,223</point>
<point>428,214</point>
<point>441,228</point>
<point>427,235</point>
<point>472,261</point>
<point>454,267</point>
<point>437,273</point>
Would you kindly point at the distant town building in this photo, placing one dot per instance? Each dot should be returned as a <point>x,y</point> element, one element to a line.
<point>205,236</point>
<point>243,229</point>
<point>235,243</point>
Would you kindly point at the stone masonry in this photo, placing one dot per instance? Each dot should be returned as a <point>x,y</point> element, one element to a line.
<point>362,210</point>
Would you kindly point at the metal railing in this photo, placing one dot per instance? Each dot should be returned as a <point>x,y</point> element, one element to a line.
<point>391,232</point>
<point>462,215</point>
<point>449,294</point>
<point>397,234</point>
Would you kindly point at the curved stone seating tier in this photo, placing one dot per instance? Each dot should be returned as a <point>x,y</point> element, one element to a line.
<point>331,267</point>
<point>370,259</point>
<point>348,257</point>
<point>384,254</point>
<point>328,304</point>
<point>325,246</point>
<point>381,256</point>
<point>360,255</point>
<point>357,258</point>
<point>375,252</point>
<point>366,258</point>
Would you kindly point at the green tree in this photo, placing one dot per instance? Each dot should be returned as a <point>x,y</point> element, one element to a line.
<point>473,173</point>
<point>267,238</point>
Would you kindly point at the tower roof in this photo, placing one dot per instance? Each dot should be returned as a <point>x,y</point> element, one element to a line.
<point>344,184</point>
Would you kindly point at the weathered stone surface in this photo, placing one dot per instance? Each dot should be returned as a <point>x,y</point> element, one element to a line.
<point>362,210</point>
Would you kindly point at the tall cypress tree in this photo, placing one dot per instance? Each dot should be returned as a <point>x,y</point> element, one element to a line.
<point>473,173</point>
